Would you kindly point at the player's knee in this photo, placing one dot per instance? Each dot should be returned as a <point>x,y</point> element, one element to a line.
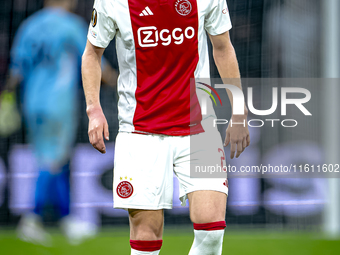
<point>208,216</point>
<point>146,226</point>
<point>207,206</point>
<point>145,233</point>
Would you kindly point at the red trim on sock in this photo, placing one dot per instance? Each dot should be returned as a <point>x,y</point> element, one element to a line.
<point>146,245</point>
<point>218,225</point>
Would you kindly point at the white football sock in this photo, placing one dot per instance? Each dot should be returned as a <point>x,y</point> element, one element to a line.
<point>136,252</point>
<point>208,238</point>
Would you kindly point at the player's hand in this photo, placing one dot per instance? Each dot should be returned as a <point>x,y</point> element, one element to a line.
<point>237,135</point>
<point>97,128</point>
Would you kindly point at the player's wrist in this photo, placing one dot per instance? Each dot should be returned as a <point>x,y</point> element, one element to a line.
<point>93,109</point>
<point>240,117</point>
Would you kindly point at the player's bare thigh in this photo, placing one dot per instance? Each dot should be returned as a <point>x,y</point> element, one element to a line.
<point>146,224</point>
<point>207,206</point>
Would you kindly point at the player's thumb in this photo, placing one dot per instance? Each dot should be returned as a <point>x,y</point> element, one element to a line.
<point>106,131</point>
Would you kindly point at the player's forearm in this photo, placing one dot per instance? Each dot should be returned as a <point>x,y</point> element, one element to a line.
<point>226,62</point>
<point>91,74</point>
<point>227,65</point>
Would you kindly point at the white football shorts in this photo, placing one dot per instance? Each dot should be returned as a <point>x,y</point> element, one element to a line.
<point>144,167</point>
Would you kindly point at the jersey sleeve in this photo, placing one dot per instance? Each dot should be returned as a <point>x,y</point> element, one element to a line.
<point>217,21</point>
<point>102,28</point>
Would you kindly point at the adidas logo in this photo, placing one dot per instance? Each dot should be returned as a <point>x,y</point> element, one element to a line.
<point>146,12</point>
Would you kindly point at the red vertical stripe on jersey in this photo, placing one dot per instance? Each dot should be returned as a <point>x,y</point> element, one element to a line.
<point>166,45</point>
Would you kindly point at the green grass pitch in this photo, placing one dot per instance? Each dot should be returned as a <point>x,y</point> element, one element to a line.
<point>178,241</point>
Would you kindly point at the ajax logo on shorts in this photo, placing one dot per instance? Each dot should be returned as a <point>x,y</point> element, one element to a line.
<point>151,37</point>
<point>183,7</point>
<point>124,189</point>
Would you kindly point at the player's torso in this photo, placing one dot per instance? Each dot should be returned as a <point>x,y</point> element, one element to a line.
<point>161,46</point>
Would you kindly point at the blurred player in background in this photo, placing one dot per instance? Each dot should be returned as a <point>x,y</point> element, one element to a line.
<point>46,59</point>
<point>161,45</point>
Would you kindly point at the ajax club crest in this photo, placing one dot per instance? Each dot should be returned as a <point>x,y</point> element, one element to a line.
<point>183,7</point>
<point>124,189</point>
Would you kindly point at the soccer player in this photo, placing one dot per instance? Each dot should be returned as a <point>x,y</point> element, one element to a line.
<point>161,45</point>
<point>46,59</point>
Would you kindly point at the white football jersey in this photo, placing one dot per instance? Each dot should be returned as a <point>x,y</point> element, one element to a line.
<point>161,45</point>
